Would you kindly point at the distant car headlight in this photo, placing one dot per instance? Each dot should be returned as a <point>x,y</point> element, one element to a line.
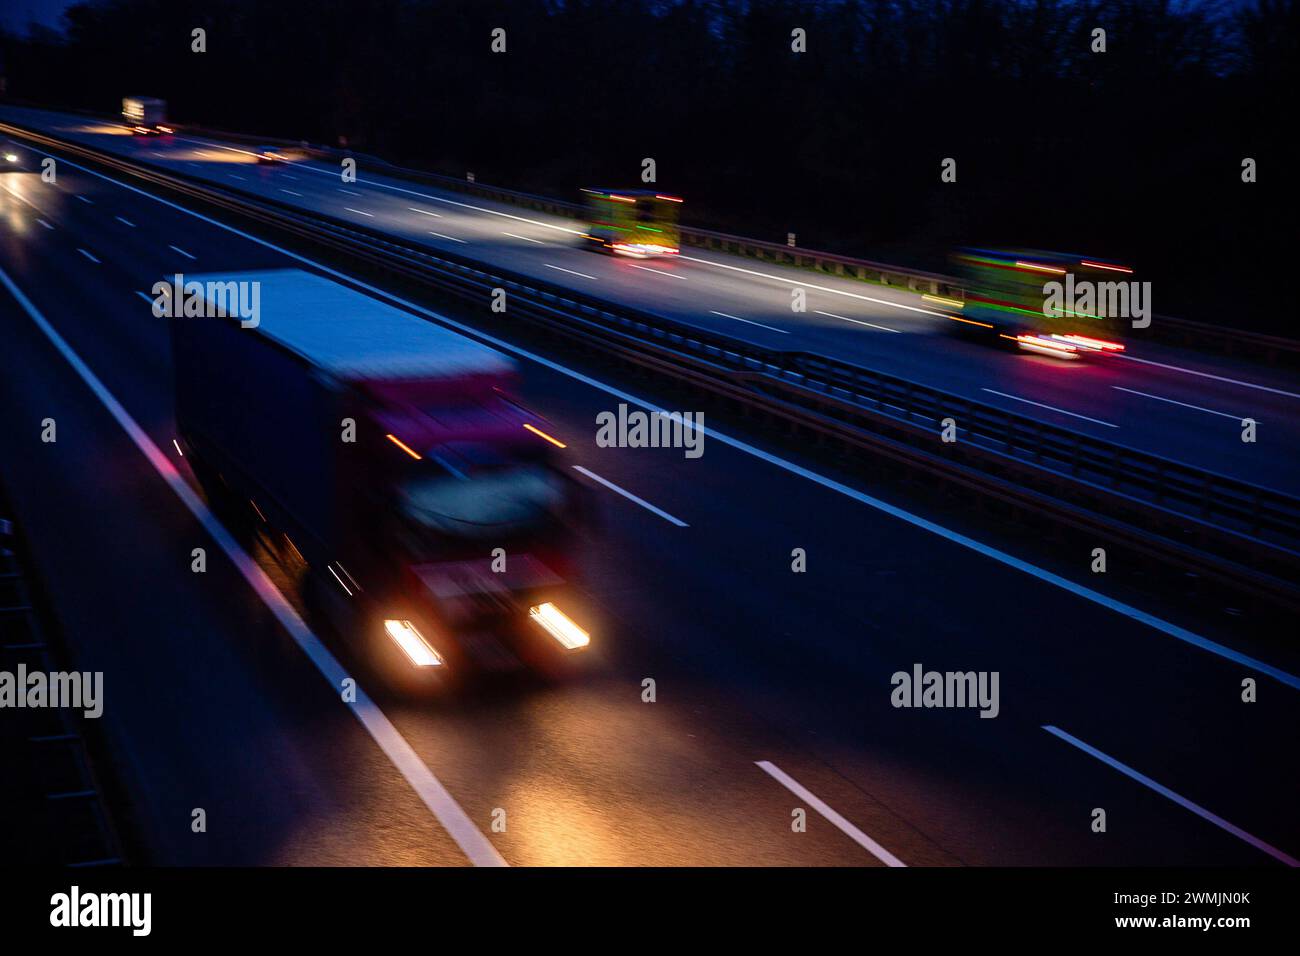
<point>11,157</point>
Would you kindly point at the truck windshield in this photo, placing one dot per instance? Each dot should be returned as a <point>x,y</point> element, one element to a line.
<point>473,492</point>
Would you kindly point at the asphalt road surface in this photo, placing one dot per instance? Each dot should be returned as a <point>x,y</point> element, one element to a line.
<point>772,687</point>
<point>1183,405</point>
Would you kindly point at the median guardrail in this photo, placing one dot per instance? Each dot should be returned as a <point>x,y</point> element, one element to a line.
<point>1222,340</point>
<point>1235,531</point>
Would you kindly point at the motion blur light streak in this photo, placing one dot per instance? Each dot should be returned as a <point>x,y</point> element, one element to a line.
<point>560,626</point>
<point>412,643</point>
<point>405,447</point>
<point>537,431</point>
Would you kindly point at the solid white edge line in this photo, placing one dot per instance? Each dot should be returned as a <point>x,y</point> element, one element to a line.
<point>448,238</point>
<point>524,238</point>
<point>1217,378</point>
<point>985,550</point>
<point>408,763</point>
<point>1050,408</point>
<point>841,824</point>
<point>1161,398</point>
<point>631,497</point>
<point>1164,791</point>
<point>399,189</point>
<point>820,288</point>
<point>359,212</point>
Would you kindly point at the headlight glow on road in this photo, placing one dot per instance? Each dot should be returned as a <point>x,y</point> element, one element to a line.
<point>412,643</point>
<point>560,626</point>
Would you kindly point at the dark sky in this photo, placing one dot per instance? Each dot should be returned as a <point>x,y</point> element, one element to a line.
<point>15,14</point>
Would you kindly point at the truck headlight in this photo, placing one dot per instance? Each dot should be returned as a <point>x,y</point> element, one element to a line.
<point>560,626</point>
<point>412,643</point>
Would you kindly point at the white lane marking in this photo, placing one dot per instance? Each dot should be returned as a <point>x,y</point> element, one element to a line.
<point>348,191</point>
<point>988,551</point>
<point>360,212</point>
<point>843,825</point>
<point>524,238</point>
<point>1159,398</point>
<point>770,328</point>
<point>287,176</point>
<point>429,788</point>
<point>1164,791</point>
<point>450,238</point>
<point>195,165</point>
<point>569,271</point>
<point>125,222</point>
<point>85,200</point>
<point>425,212</point>
<point>845,318</point>
<point>1050,408</point>
<point>820,288</point>
<point>290,192</point>
<point>44,223</point>
<point>1217,378</point>
<point>411,192</point>
<point>181,251</point>
<point>88,256</point>
<point>145,295</point>
<point>657,271</point>
<point>240,178</point>
<point>631,497</point>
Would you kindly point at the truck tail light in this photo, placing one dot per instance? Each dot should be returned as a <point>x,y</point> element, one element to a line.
<point>412,643</point>
<point>560,626</point>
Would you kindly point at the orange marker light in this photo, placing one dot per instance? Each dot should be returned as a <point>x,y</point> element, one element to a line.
<point>402,445</point>
<point>537,431</point>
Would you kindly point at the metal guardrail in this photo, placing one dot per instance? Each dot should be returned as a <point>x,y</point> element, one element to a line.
<point>1225,527</point>
<point>1223,340</point>
<point>1168,329</point>
<point>52,809</point>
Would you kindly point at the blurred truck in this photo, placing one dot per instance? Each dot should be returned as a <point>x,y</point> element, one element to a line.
<point>424,507</point>
<point>632,222</point>
<point>1007,302</point>
<point>145,115</point>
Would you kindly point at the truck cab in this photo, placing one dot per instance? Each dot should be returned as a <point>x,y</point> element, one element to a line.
<point>430,515</point>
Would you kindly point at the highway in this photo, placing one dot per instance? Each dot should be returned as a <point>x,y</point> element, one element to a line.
<point>772,688</point>
<point>1179,404</point>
